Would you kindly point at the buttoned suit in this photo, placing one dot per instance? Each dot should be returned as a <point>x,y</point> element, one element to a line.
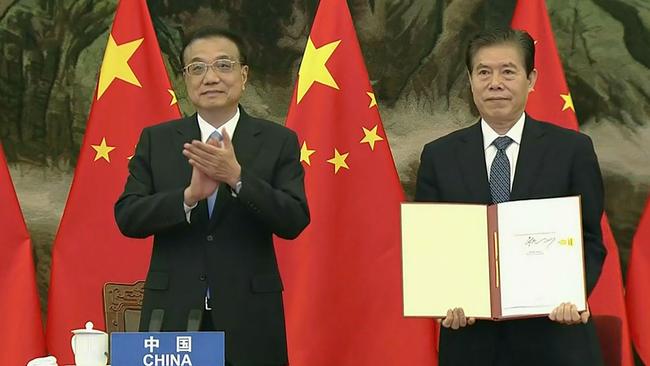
<point>232,252</point>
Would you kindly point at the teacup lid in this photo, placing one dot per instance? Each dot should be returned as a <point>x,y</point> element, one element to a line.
<point>89,330</point>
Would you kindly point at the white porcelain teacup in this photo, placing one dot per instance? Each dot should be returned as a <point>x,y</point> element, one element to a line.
<point>90,346</point>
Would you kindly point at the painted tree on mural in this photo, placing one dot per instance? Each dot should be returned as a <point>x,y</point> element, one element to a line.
<point>42,42</point>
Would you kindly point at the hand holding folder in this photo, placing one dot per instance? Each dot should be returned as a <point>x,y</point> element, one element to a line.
<point>565,313</point>
<point>456,319</point>
<point>514,259</point>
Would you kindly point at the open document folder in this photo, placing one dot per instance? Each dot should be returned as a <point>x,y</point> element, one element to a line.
<point>513,259</point>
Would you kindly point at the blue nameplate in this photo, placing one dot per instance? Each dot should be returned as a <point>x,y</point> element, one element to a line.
<point>167,349</point>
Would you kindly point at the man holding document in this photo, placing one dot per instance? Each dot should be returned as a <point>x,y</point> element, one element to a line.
<point>509,156</point>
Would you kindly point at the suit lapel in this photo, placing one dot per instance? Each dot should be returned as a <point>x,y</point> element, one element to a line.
<point>245,140</point>
<point>531,156</point>
<point>187,131</point>
<point>472,163</point>
<point>246,145</point>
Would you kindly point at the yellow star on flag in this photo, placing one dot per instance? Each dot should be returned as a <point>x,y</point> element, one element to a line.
<point>373,101</point>
<point>313,69</point>
<point>305,153</point>
<point>102,150</point>
<point>339,161</point>
<point>568,102</point>
<point>131,157</point>
<point>116,66</point>
<point>371,137</point>
<point>174,101</point>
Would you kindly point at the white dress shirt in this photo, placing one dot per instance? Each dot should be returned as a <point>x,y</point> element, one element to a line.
<point>206,130</point>
<point>512,151</point>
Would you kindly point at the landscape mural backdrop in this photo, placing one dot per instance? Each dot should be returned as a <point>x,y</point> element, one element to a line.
<point>50,52</point>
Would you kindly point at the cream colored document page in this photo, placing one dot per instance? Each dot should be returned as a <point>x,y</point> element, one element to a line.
<point>540,251</point>
<point>445,259</point>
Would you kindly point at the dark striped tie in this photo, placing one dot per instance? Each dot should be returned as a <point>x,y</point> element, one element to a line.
<point>500,171</point>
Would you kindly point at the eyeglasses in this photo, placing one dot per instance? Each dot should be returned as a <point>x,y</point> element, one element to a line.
<point>222,65</point>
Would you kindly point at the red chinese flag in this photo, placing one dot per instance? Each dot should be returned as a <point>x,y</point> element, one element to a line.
<point>133,91</point>
<point>607,305</point>
<point>637,295</point>
<point>551,101</point>
<point>21,338</point>
<point>342,276</point>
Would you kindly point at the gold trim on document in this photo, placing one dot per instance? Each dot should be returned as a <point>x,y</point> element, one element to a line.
<point>496,258</point>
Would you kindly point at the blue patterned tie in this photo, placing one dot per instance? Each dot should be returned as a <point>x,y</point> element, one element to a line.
<point>500,171</point>
<point>213,197</point>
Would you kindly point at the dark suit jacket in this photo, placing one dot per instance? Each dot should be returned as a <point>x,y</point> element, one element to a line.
<point>233,252</point>
<point>552,162</point>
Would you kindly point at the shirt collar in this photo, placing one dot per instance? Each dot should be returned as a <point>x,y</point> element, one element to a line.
<point>514,133</point>
<point>207,129</point>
